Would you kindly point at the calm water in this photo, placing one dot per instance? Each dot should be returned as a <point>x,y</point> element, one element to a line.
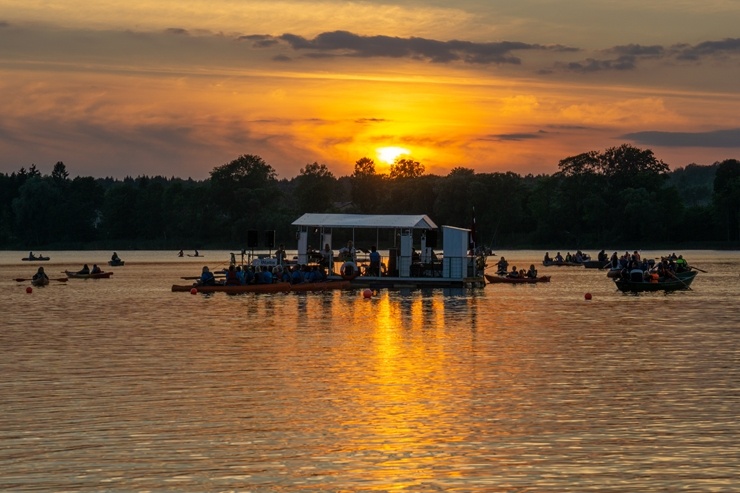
<point>121,385</point>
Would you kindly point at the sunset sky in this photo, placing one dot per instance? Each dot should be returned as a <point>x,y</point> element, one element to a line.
<point>176,88</point>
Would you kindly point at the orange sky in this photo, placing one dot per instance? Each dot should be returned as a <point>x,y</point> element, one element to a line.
<point>117,89</point>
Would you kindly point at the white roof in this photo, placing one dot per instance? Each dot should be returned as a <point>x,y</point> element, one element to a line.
<point>420,221</point>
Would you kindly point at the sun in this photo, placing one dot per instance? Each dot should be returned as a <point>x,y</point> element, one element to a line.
<point>389,154</point>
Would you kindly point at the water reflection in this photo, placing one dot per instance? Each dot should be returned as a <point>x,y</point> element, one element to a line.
<point>129,387</point>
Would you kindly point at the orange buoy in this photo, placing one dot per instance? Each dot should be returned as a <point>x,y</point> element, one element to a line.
<point>194,291</point>
<point>367,293</point>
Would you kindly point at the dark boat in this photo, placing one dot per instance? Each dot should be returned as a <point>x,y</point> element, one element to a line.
<point>675,283</point>
<point>97,275</point>
<point>116,263</point>
<point>595,264</point>
<point>563,263</point>
<point>515,280</point>
<point>35,259</point>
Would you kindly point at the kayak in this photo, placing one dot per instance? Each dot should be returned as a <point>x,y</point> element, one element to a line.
<point>279,287</point>
<point>40,282</point>
<point>516,280</point>
<point>77,275</point>
<point>116,263</point>
<point>35,259</point>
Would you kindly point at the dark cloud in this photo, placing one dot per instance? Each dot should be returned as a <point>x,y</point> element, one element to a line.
<point>177,30</point>
<point>716,138</point>
<point>626,62</point>
<point>343,43</point>
<point>727,46</point>
<point>516,137</point>
<point>628,56</point>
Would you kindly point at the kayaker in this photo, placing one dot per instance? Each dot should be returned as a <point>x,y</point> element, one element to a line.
<point>95,269</point>
<point>40,275</point>
<point>206,277</point>
<point>115,258</point>
<point>532,272</point>
<point>514,273</point>
<point>85,270</point>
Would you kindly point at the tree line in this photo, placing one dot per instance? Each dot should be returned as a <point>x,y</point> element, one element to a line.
<point>623,197</point>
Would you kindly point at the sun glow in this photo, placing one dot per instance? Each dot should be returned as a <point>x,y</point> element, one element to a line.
<point>389,154</point>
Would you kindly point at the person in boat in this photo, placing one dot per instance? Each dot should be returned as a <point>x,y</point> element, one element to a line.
<point>30,256</point>
<point>95,269</point>
<point>514,273</point>
<point>532,272</point>
<point>280,254</point>
<point>180,254</point>
<point>231,278</point>
<point>348,253</point>
<point>502,266</point>
<point>85,270</point>
<point>206,277</point>
<point>327,257</point>
<point>197,254</point>
<point>374,269</point>
<point>115,258</point>
<point>681,264</point>
<point>296,277</point>
<point>558,257</point>
<point>40,275</point>
<point>547,258</point>
<point>602,256</point>
<point>265,276</point>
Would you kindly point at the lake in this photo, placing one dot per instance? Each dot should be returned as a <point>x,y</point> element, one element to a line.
<point>122,385</point>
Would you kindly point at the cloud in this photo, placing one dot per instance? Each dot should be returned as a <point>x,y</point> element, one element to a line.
<point>718,138</point>
<point>727,46</point>
<point>628,56</point>
<point>516,137</point>
<point>347,44</point>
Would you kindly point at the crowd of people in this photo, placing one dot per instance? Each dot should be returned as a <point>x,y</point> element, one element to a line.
<point>634,267</point>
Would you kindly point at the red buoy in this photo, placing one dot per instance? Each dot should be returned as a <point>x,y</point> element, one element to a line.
<point>587,296</point>
<point>194,291</point>
<point>29,290</point>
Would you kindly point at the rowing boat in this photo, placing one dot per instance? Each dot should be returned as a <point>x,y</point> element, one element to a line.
<point>516,280</point>
<point>675,283</point>
<point>41,281</point>
<point>279,287</point>
<point>561,263</point>
<point>97,275</point>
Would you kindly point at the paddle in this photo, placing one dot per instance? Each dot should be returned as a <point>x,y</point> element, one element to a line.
<point>61,279</point>
<point>700,270</point>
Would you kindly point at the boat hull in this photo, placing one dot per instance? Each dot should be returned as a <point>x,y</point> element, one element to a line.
<point>561,264</point>
<point>665,284</point>
<point>36,259</point>
<point>99,275</point>
<point>279,287</point>
<point>516,280</point>
<point>116,264</point>
<point>40,282</point>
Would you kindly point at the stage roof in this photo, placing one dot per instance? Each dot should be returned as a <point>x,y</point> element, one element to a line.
<point>420,221</point>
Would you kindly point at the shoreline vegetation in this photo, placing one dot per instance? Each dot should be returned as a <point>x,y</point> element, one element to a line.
<point>621,198</point>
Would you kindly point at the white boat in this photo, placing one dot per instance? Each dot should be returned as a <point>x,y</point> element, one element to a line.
<point>411,261</point>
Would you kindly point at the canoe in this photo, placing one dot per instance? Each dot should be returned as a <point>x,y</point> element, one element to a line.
<point>99,275</point>
<point>40,282</point>
<point>561,264</point>
<point>35,259</point>
<point>516,280</point>
<point>278,287</point>
<point>683,281</point>
<point>116,263</point>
